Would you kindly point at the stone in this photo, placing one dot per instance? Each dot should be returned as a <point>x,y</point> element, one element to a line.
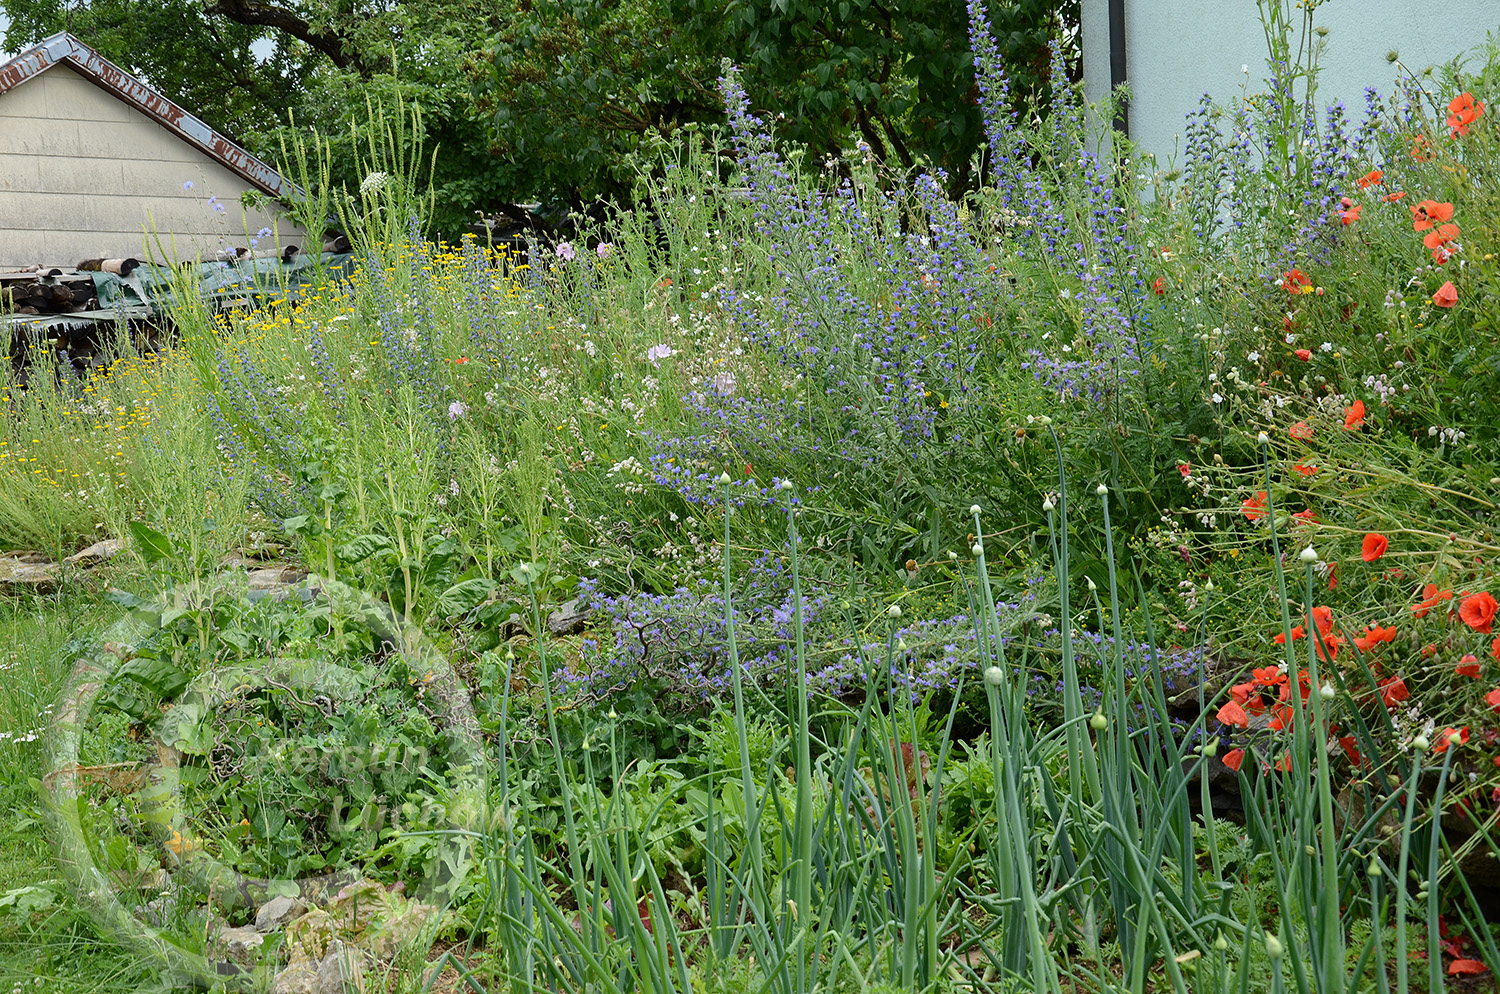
<point>240,946</point>
<point>27,572</point>
<point>277,912</point>
<point>99,552</point>
<point>274,577</point>
<point>567,619</point>
<point>340,971</point>
<point>299,977</point>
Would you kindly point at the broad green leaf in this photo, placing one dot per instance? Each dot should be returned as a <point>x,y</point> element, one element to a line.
<point>362,547</point>
<point>153,544</point>
<point>461,598</point>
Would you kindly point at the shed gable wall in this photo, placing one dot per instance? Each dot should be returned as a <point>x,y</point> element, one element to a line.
<point>83,175</point>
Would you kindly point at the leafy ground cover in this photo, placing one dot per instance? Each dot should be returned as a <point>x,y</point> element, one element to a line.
<point>809,582</point>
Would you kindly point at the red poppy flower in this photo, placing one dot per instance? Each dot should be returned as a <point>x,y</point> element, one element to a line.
<point>1297,633</point>
<point>1304,469</point>
<point>1373,547</point>
<point>1393,691</point>
<point>1468,666</point>
<point>1391,198</point>
<point>1307,514</point>
<point>1284,764</point>
<point>1441,235</point>
<point>1296,281</point>
<point>1369,179</point>
<point>1160,286</point>
<point>1420,150</point>
<point>1430,212</point>
<point>1493,698</point>
<point>1349,212</point>
<point>1441,744</point>
<point>1430,597</point>
<point>1254,508</point>
<point>1446,296</point>
<point>1463,111</point>
<point>1301,431</point>
<point>1186,469</point>
<point>1268,676</point>
<point>1495,650</point>
<point>1233,758</point>
<point>1354,416</point>
<point>1304,354</point>
<point>1232,714</point>
<point>1281,718</point>
<point>1374,636</point>
<point>1352,750</point>
<point>461,360</point>
<point>1478,611</point>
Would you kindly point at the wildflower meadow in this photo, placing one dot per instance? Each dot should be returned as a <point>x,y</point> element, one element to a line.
<point>804,581</point>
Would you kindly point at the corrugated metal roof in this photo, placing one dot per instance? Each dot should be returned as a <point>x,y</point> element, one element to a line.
<point>63,47</point>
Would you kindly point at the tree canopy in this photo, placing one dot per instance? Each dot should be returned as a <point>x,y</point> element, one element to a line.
<point>549,99</point>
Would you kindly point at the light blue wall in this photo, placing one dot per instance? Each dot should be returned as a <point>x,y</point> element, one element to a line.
<point>1177,50</point>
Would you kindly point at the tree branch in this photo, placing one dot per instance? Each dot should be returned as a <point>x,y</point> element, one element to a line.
<point>258,14</point>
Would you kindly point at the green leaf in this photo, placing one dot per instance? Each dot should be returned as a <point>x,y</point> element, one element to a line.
<point>161,677</point>
<point>153,544</point>
<point>362,547</point>
<point>184,728</point>
<point>461,598</point>
<point>24,900</point>
<point>296,524</point>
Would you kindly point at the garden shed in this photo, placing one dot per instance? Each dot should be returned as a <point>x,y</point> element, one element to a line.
<point>1171,52</point>
<point>96,164</point>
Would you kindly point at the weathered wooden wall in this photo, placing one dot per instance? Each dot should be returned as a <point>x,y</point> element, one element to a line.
<point>84,175</point>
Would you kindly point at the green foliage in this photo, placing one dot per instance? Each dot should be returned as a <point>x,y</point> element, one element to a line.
<point>579,85</point>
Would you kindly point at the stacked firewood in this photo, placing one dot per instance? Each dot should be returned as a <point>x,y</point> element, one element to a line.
<point>46,291</point>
